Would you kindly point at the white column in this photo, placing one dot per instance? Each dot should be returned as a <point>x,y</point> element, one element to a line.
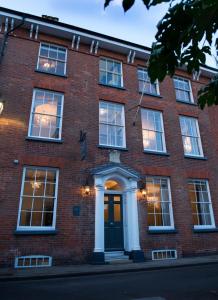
<point>99,219</point>
<point>133,225</point>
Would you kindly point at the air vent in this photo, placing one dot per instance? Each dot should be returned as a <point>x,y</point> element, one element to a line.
<point>164,254</point>
<point>33,261</point>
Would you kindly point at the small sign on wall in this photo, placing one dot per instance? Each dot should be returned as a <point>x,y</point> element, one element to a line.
<point>76,211</point>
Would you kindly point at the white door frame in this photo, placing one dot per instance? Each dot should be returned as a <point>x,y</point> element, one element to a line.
<point>128,182</point>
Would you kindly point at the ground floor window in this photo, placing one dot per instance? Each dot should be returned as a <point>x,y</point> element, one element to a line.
<point>38,198</point>
<point>199,196</point>
<point>159,204</point>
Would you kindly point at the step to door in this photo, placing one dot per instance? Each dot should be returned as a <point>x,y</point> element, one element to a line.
<point>116,256</point>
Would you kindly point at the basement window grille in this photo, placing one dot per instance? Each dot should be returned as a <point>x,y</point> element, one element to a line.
<point>33,261</point>
<point>164,254</point>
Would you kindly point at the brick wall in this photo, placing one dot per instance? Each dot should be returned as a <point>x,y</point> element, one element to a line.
<point>74,240</point>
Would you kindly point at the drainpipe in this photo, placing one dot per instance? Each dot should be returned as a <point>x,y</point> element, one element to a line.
<point>5,38</point>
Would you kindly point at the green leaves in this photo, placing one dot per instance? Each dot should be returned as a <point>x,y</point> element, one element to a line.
<point>106,3</point>
<point>208,95</point>
<point>127,4</point>
<point>184,37</point>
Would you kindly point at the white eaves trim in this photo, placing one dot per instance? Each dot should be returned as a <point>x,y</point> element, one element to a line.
<point>62,28</point>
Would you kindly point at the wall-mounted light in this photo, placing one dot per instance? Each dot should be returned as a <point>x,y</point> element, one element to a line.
<point>143,192</point>
<point>142,188</point>
<point>1,105</point>
<point>86,189</point>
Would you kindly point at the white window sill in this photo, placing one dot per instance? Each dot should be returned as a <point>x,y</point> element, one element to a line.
<point>195,157</point>
<point>35,231</point>
<point>156,152</point>
<point>205,229</point>
<point>41,139</point>
<point>160,230</point>
<point>113,147</point>
<point>204,226</point>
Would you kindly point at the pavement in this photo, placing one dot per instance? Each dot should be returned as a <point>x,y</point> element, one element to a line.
<point>11,274</point>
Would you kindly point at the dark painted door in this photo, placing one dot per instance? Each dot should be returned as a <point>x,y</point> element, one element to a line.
<point>113,222</point>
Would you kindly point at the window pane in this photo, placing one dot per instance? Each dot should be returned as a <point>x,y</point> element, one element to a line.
<point>200,202</point>
<point>28,188</point>
<point>152,130</point>
<point>27,203</point>
<point>117,212</point>
<point>52,59</point>
<point>50,190</point>
<point>60,68</point>
<point>25,218</point>
<point>145,84</point>
<point>111,127</point>
<point>35,206</point>
<point>110,72</point>
<point>47,219</point>
<point>61,54</point>
<point>38,204</point>
<point>48,204</point>
<point>103,77</point>
<point>103,64</point>
<point>190,136</point>
<point>110,66</point>
<point>39,189</point>
<point>46,107</point>
<point>53,52</point>
<point>103,134</point>
<point>44,51</point>
<point>158,201</point>
<point>36,218</point>
<point>182,89</point>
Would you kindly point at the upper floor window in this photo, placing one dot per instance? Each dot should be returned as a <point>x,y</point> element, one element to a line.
<point>191,136</point>
<point>153,130</point>
<point>46,114</point>
<point>52,59</point>
<point>111,124</point>
<point>160,213</point>
<point>38,199</point>
<point>145,85</point>
<point>199,196</point>
<point>183,90</point>
<point>110,72</point>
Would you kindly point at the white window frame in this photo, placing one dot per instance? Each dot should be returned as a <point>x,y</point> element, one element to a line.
<point>167,251</point>
<point>32,257</point>
<point>38,228</point>
<point>172,226</point>
<point>156,83</point>
<point>199,137</point>
<point>210,206</point>
<point>124,125</point>
<point>121,74</point>
<point>163,132</point>
<point>190,89</point>
<point>32,114</point>
<point>65,63</point>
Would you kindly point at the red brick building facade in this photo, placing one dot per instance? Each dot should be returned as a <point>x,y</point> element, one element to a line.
<point>85,171</point>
